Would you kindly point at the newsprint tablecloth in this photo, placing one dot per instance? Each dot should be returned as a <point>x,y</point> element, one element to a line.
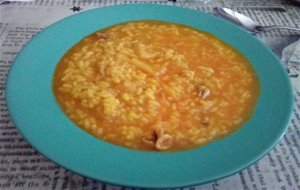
<point>22,167</point>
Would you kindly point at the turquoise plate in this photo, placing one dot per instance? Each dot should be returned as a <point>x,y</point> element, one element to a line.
<point>40,120</point>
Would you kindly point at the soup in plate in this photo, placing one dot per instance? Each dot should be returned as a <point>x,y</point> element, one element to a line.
<point>157,86</point>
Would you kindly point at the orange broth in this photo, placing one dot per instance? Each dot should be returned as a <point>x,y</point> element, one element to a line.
<point>158,86</point>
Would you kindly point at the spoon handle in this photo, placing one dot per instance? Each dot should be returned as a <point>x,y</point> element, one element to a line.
<point>265,28</point>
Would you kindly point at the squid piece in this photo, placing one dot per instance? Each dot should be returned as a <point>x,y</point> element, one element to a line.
<point>159,139</point>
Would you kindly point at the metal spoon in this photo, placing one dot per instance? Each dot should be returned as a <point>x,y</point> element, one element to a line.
<point>247,22</point>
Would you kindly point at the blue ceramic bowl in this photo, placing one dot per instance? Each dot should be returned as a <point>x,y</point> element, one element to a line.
<point>40,120</point>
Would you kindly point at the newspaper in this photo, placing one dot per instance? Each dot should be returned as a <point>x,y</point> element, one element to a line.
<point>22,167</point>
